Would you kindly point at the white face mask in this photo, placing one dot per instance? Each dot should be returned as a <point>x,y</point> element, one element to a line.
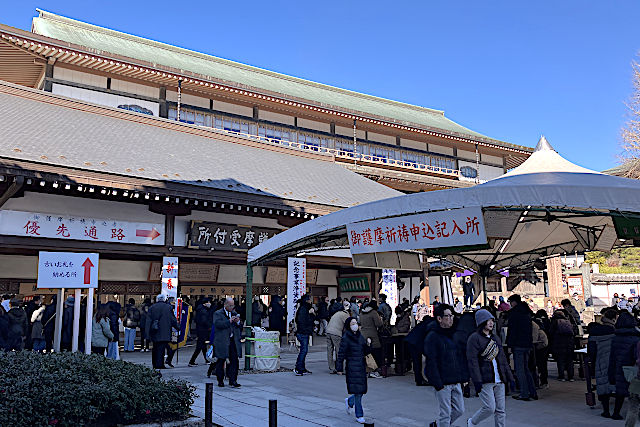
<point>354,328</point>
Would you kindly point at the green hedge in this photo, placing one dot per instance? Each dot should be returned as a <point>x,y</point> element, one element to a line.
<point>72,389</point>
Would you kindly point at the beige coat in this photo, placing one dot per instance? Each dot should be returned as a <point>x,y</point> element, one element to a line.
<point>370,321</point>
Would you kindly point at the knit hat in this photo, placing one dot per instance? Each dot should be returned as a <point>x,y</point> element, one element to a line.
<point>161,297</point>
<point>346,305</point>
<point>482,316</point>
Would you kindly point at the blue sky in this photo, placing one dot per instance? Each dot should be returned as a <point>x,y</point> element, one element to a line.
<point>511,70</point>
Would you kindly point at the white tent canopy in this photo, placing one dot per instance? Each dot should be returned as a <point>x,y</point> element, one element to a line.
<point>548,205</point>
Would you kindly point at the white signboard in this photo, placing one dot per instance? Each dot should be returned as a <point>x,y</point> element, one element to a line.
<point>296,284</point>
<point>457,227</point>
<point>170,276</point>
<point>54,226</point>
<point>67,270</point>
<point>390,289</point>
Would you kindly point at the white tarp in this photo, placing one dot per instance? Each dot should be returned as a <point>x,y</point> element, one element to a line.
<point>558,189</point>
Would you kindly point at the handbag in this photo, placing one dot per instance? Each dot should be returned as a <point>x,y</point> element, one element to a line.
<point>371,363</point>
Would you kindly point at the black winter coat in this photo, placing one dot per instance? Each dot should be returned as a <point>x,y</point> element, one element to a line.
<point>623,353</point>
<point>323,310</point>
<point>561,343</point>
<point>48,323</point>
<point>335,307</point>
<point>163,313</point>
<point>304,320</point>
<point>4,329</point>
<point>67,324</point>
<point>277,315</point>
<point>480,369</point>
<point>131,316</point>
<point>416,337</point>
<point>519,333</point>
<point>114,316</point>
<point>204,321</point>
<point>353,349</point>
<point>144,315</point>
<point>18,323</point>
<point>599,350</point>
<point>446,359</point>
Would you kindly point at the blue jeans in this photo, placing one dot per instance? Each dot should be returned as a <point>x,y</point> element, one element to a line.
<point>356,400</point>
<point>129,338</point>
<point>304,349</point>
<point>38,345</point>
<point>525,379</point>
<point>112,350</point>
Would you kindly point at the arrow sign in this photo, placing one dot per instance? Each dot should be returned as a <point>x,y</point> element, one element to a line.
<point>87,264</point>
<point>153,233</point>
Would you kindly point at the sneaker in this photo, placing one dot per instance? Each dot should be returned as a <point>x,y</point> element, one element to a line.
<point>561,379</point>
<point>469,422</point>
<point>298,374</point>
<point>169,364</point>
<point>571,380</point>
<point>306,372</point>
<point>361,420</point>
<point>334,372</point>
<point>346,403</point>
<point>375,375</point>
<point>193,364</point>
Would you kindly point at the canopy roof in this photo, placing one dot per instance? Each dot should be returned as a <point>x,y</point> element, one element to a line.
<point>544,207</point>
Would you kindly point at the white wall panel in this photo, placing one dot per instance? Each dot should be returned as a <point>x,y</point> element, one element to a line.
<point>348,132</point>
<point>102,98</point>
<point>276,117</point>
<point>79,77</point>
<point>387,139</point>
<point>138,89</point>
<point>441,150</point>
<point>233,108</point>
<point>312,124</point>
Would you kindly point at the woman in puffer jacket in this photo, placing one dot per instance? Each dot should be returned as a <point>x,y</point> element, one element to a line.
<point>561,333</point>
<point>353,349</point>
<point>623,353</point>
<point>101,332</point>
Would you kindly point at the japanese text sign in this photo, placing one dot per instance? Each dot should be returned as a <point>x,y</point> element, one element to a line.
<point>296,284</point>
<point>390,289</point>
<point>67,270</point>
<point>54,226</point>
<point>457,227</point>
<point>170,276</point>
<point>210,235</point>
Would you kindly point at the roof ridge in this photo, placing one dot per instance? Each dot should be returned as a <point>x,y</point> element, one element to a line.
<point>121,34</point>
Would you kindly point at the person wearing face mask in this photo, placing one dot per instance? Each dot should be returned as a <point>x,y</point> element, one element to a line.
<point>446,366</point>
<point>353,348</point>
<point>204,322</point>
<point>256,311</point>
<point>489,370</point>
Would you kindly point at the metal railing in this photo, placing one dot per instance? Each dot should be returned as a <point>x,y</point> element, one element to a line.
<point>349,155</point>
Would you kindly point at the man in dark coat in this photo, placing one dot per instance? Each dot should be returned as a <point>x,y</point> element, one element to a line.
<point>468,291</point>
<point>32,306</point>
<point>446,366</point>
<point>49,323</point>
<point>520,340</point>
<point>277,316</point>
<point>304,329</point>
<point>160,320</point>
<point>204,322</point>
<point>353,349</point>
<point>623,353</point>
<point>323,316</point>
<point>131,322</point>
<point>336,306</point>
<point>18,326</point>
<point>256,311</point>
<point>415,339</point>
<point>228,327</point>
<point>67,324</point>
<point>114,318</point>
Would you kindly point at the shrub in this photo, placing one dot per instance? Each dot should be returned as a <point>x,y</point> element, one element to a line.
<point>72,389</point>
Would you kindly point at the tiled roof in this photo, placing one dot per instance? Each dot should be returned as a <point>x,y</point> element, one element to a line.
<point>39,127</point>
<point>105,41</point>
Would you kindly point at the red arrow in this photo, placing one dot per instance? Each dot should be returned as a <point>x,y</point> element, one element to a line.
<point>153,233</point>
<point>87,264</point>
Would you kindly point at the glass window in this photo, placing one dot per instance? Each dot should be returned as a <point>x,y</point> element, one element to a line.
<point>468,172</point>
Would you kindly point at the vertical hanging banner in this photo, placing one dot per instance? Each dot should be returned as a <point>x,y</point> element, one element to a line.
<point>390,289</point>
<point>170,276</point>
<point>296,284</point>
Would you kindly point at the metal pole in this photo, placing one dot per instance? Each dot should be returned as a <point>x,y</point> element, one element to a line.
<point>76,320</point>
<point>249,297</point>
<point>208,405</point>
<point>58,329</point>
<point>484,290</point>
<point>89,322</point>
<point>273,413</point>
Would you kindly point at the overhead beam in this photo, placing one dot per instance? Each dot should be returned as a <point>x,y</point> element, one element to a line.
<point>14,187</point>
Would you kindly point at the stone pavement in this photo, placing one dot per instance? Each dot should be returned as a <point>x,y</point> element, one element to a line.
<point>318,399</point>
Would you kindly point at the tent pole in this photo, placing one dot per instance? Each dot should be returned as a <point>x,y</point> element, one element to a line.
<point>249,305</point>
<point>484,290</point>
